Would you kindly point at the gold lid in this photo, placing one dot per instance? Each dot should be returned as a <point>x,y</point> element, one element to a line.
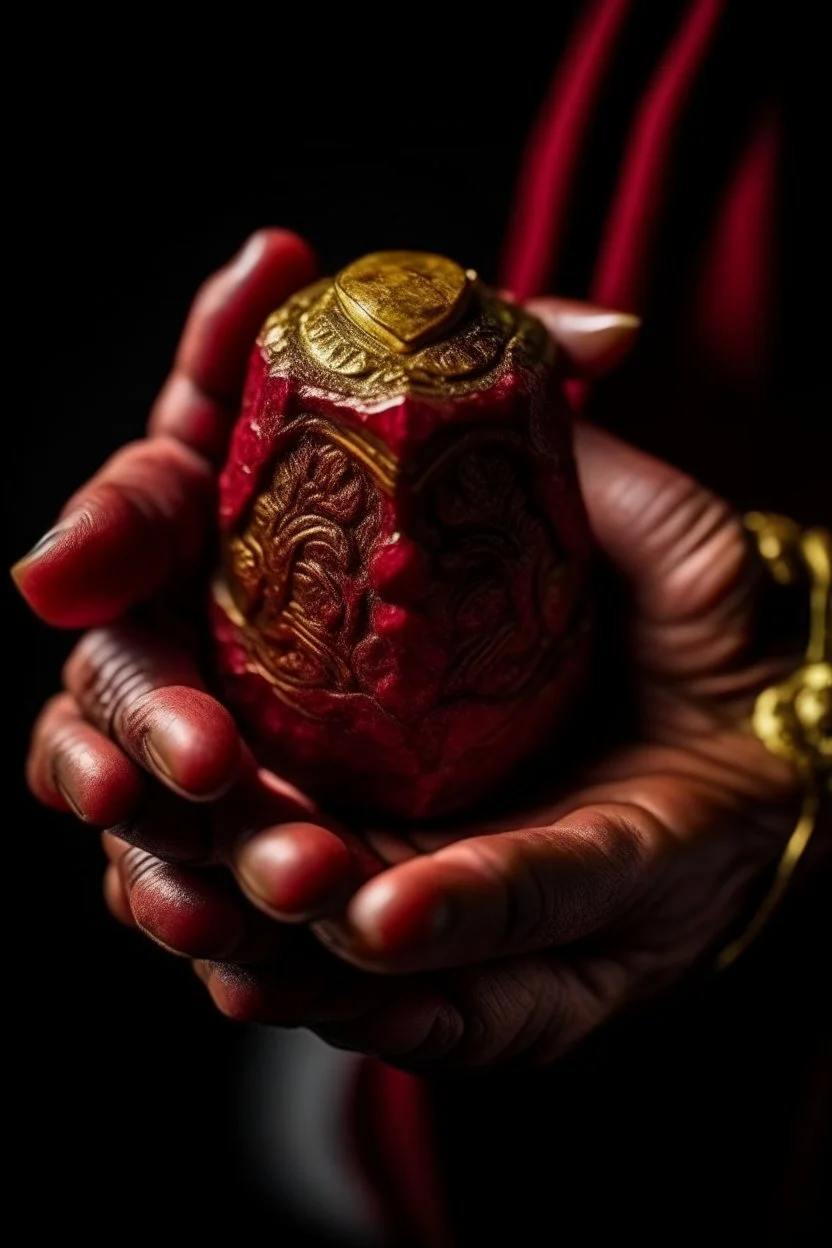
<point>404,298</point>
<point>400,321</point>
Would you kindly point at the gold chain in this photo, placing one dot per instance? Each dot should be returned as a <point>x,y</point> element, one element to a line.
<point>794,718</point>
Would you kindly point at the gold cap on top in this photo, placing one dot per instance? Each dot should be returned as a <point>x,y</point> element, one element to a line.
<point>397,322</point>
<point>404,299</point>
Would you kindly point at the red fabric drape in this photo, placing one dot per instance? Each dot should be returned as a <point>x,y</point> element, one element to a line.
<point>625,254</point>
<point>545,186</point>
<point>731,310</point>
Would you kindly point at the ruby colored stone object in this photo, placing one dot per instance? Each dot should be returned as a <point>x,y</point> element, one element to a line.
<point>402,610</point>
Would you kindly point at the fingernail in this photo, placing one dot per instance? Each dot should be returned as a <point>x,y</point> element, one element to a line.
<point>602,320</point>
<point>262,860</point>
<point>69,799</point>
<point>41,548</point>
<point>594,339</point>
<point>155,747</point>
<point>295,869</point>
<point>332,935</point>
<point>166,747</point>
<point>387,923</point>
<point>600,337</point>
<point>248,257</point>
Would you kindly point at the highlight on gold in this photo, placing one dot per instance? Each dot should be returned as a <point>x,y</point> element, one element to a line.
<point>404,298</point>
<point>400,321</point>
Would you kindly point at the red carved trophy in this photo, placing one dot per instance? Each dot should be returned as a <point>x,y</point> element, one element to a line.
<point>402,610</point>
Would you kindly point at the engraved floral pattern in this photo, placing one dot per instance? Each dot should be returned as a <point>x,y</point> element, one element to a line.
<point>299,572</point>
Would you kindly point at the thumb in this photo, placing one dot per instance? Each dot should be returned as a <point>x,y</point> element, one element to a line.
<point>496,895</point>
<point>594,340</point>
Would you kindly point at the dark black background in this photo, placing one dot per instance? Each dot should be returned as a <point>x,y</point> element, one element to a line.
<point>138,171</point>
<point>138,166</point>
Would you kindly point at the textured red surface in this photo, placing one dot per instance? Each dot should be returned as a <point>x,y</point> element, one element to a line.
<point>408,646</point>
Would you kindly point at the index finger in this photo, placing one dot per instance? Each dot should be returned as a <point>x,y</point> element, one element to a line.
<point>198,402</point>
<point>158,495</point>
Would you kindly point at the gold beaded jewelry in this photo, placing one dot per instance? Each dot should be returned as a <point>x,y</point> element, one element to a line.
<point>794,718</point>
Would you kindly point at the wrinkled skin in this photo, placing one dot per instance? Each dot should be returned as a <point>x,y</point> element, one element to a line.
<point>469,945</point>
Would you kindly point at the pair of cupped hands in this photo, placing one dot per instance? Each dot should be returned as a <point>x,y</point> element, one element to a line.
<point>476,944</point>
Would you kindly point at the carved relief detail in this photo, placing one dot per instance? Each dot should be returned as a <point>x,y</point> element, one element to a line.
<point>312,336</point>
<point>296,575</point>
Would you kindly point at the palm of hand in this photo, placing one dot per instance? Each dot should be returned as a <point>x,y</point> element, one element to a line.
<point>616,887</point>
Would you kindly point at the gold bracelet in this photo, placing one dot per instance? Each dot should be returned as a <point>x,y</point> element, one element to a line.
<point>794,718</point>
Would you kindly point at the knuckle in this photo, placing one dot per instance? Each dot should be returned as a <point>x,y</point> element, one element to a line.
<point>140,869</point>
<point>504,1010</point>
<point>110,680</point>
<point>619,846</point>
<point>671,510</point>
<point>524,1015</point>
<point>712,530</point>
<point>150,482</point>
<point>609,857</point>
<point>135,713</point>
<point>130,498</point>
<point>152,453</point>
<point>700,550</point>
<point>169,829</point>
<point>442,1040</point>
<point>105,500</point>
<point>524,903</point>
<point>395,1038</point>
<point>150,471</point>
<point>581,997</point>
<point>124,453</point>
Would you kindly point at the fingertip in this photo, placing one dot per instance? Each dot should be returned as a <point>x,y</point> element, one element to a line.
<point>594,339</point>
<point>191,742</point>
<point>72,767</point>
<point>297,257</point>
<point>123,534</point>
<point>102,789</point>
<point>295,871</point>
<point>190,914</point>
<point>399,913</point>
<point>42,580</point>
<point>232,989</point>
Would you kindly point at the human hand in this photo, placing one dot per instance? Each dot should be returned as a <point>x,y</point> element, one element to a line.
<point>566,912</point>
<point>136,540</point>
<point>510,940</point>
<point>128,558</point>
<point>616,847</point>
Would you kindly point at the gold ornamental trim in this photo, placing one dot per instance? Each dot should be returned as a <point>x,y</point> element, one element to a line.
<point>404,298</point>
<point>399,322</point>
